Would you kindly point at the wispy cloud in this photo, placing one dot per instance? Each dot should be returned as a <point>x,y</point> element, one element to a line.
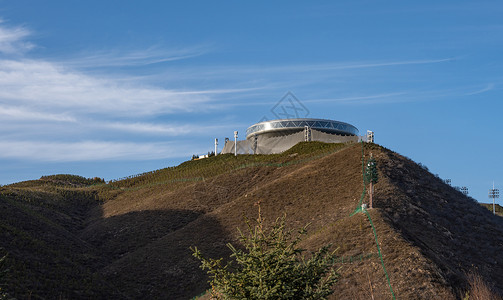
<point>356,98</point>
<point>112,110</point>
<point>49,86</point>
<point>90,150</point>
<point>229,71</point>
<point>25,114</point>
<point>13,39</point>
<point>366,65</point>
<point>56,111</point>
<point>121,58</point>
<point>407,96</point>
<point>43,84</point>
<point>487,88</point>
<point>52,88</point>
<point>163,129</point>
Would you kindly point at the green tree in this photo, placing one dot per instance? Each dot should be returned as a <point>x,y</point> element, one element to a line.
<point>271,266</point>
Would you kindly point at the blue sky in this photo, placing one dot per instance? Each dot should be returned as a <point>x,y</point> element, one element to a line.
<point>114,88</point>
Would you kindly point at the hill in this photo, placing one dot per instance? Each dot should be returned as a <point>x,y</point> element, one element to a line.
<point>68,237</point>
<point>497,208</point>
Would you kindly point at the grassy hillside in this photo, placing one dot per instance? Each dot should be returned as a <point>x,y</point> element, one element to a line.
<point>39,229</point>
<point>497,208</point>
<point>74,238</point>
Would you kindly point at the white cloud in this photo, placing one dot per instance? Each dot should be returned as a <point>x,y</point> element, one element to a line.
<point>48,107</point>
<point>89,150</point>
<point>357,99</point>
<point>366,65</point>
<point>12,40</point>
<point>44,84</point>
<point>487,88</point>
<point>287,70</point>
<point>69,103</point>
<point>162,129</point>
<point>409,96</point>
<point>52,89</point>
<point>24,114</point>
<point>52,111</point>
<point>120,58</point>
<point>138,127</point>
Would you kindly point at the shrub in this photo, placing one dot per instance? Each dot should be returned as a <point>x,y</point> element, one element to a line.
<point>68,179</point>
<point>271,266</point>
<point>479,290</point>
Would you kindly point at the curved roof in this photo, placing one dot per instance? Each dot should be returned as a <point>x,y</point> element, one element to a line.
<point>328,126</point>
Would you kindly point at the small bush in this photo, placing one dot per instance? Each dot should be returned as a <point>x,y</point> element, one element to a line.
<point>68,179</point>
<point>271,267</point>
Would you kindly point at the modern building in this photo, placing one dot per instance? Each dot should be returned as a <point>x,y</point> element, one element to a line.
<point>276,136</point>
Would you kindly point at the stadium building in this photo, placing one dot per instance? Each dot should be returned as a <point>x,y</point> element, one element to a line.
<point>276,136</point>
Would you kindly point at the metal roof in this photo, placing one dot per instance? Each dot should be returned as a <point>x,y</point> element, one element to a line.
<point>329,126</point>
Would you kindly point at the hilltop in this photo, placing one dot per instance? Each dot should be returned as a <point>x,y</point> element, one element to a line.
<point>71,237</point>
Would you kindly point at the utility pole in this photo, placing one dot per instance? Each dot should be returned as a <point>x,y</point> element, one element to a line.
<point>235,143</point>
<point>494,193</point>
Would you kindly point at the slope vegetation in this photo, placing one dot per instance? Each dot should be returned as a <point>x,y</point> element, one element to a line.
<point>73,238</point>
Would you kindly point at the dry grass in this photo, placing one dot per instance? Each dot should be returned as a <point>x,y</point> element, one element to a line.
<point>479,289</point>
<point>131,239</point>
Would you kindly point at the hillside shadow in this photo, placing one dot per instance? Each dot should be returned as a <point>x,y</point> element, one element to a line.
<point>118,235</point>
<point>451,229</point>
<point>146,254</point>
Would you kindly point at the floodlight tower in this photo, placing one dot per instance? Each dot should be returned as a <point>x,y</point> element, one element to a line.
<point>235,143</point>
<point>464,190</point>
<point>370,136</point>
<point>494,193</point>
<point>307,133</point>
<point>216,147</point>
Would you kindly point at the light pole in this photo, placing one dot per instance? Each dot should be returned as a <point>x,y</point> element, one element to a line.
<point>464,190</point>
<point>235,143</point>
<point>370,136</point>
<point>494,193</point>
